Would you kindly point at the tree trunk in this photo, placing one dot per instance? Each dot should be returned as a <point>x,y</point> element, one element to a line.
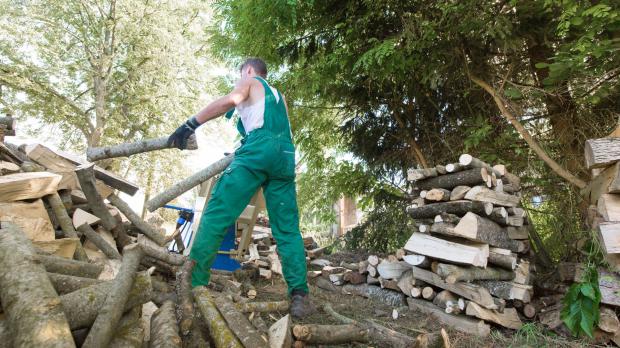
<point>103,328</point>
<point>164,329</point>
<point>30,303</point>
<point>187,184</point>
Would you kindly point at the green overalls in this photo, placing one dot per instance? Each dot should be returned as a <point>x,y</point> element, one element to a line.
<point>267,159</point>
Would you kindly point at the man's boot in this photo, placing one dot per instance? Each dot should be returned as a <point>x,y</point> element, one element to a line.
<point>301,306</point>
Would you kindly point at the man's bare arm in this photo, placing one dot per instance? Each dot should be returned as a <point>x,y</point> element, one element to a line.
<point>221,105</point>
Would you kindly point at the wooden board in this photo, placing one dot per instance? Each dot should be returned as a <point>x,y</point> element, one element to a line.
<point>21,186</point>
<point>31,218</point>
<point>602,152</point>
<point>458,322</point>
<point>424,244</point>
<point>64,247</point>
<point>609,207</point>
<point>609,233</point>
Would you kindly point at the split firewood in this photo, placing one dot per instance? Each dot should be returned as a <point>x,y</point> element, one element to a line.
<point>477,228</point>
<point>372,271</point>
<point>608,320</point>
<point>330,334</point>
<point>354,278</point>
<point>32,218</point>
<point>280,333</point>
<point>164,329</point>
<point>458,322</point>
<point>602,152</point>
<point>419,174</point>
<point>508,290</point>
<point>128,149</point>
<point>29,301</point>
<point>22,186</point>
<point>187,184</point>
<point>265,273</point>
<point>8,168</point>
<point>522,273</point>
<point>391,298</point>
<point>474,254</point>
<point>94,237</point>
<point>64,284</point>
<point>417,260</point>
<point>469,177</point>
<point>60,213</point>
<point>483,194</point>
<point>406,282</point>
<point>239,324</point>
<point>103,328</point>
<point>86,177</point>
<point>314,253</point>
<point>392,270</point>
<point>400,253</point>
<point>327,270</point>
<point>137,221</point>
<point>349,266</point>
<point>220,332</point>
<point>503,258</point>
<point>608,206</point>
<point>445,228</point>
<point>263,307</point>
<point>454,167</point>
<point>61,265</point>
<point>454,273</point>
<point>458,193</point>
<point>459,208</point>
<point>518,232</point>
<point>362,266</point>
<point>153,250</point>
<point>508,318</point>
<point>389,284</point>
<point>442,298</point>
<point>370,280</point>
<point>438,195</point>
<point>184,293</point>
<point>499,215</point>
<point>446,218</point>
<point>428,293</point>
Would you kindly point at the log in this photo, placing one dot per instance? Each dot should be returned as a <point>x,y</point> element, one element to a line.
<point>64,266</point>
<point>428,293</point>
<point>64,284</point>
<point>330,334</point>
<point>220,333</point>
<point>130,332</point>
<point>499,215</point>
<point>483,194</point>
<point>445,250</point>
<point>391,298</point>
<point>31,218</point>
<point>354,278</point>
<point>143,226</point>
<point>280,333</point>
<point>458,322</point>
<point>263,307</point>
<point>127,149</point>
<point>10,123</point>
<point>469,177</point>
<point>325,284</point>
<point>416,292</point>
<point>94,237</point>
<point>239,324</point>
<point>503,258</point>
<point>328,270</point>
<point>446,229</point>
<point>8,168</point>
<point>60,213</point>
<point>600,153</point>
<point>609,207</point>
<point>479,229</point>
<point>443,297</point>
<point>184,294</point>
<point>419,174</point>
<point>23,186</point>
<point>522,273</point>
<point>453,273</point>
<point>392,270</point>
<point>508,318</point>
<point>447,218</point>
<point>362,267</point>
<point>459,208</point>
<point>608,181</point>
<point>608,320</point>
<point>469,291</point>
<point>609,233</point>
<point>86,177</point>
<point>337,278</point>
<point>160,253</point>
<point>454,167</point>
<point>438,195</point>
<point>373,260</point>
<point>508,290</point>
<point>441,169</point>
<point>164,329</point>
<point>518,232</point>
<point>187,184</point>
<point>370,280</point>
<point>388,284</point>
<point>417,260</point>
<point>468,161</point>
<point>30,303</point>
<point>103,328</point>
<point>406,282</point>
<point>515,221</point>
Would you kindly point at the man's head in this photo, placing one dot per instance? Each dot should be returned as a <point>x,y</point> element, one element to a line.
<point>253,67</point>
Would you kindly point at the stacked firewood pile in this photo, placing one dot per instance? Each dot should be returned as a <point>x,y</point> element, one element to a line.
<point>466,262</point>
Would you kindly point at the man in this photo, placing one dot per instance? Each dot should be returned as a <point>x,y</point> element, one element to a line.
<point>266,158</point>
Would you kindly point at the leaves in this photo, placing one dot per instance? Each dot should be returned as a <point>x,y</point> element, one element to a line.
<point>580,311</point>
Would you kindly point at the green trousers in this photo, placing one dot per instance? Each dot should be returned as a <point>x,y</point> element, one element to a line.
<point>263,160</point>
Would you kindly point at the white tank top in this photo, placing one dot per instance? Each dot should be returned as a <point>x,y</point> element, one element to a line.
<point>253,116</point>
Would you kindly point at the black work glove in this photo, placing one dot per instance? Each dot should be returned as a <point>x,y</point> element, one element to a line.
<point>179,138</point>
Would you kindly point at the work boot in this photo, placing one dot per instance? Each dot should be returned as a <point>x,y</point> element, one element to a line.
<point>301,306</point>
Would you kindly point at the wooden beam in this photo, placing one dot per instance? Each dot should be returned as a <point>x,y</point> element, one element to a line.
<point>423,244</point>
<point>602,152</point>
<point>458,322</point>
<point>23,186</point>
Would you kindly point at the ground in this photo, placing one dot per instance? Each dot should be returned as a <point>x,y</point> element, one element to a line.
<point>410,322</point>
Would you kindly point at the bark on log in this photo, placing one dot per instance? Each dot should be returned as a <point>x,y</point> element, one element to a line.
<point>454,167</point>
<point>477,228</point>
<point>143,226</point>
<point>220,333</point>
<point>61,265</point>
<point>428,293</point>
<point>417,260</point>
<point>460,323</point>
<point>442,298</point>
<point>503,258</point>
<point>65,284</point>
<point>160,253</point>
<point>391,298</point>
<point>483,194</point>
<point>475,254</point>
<point>29,301</point>
<point>447,218</point>
<point>453,273</point>
<point>86,176</point>
<point>109,250</point>
<point>468,161</point>
<point>499,215</point>
<point>263,307</point>
<point>508,318</point>
<point>239,324</point>
<point>471,177</point>
<point>103,328</point>
<point>184,293</point>
<point>508,290</point>
<point>164,329</point>
<point>130,333</point>
<point>185,185</point>
<point>330,334</point>
<point>459,208</point>
<point>438,195</point>
<point>125,150</point>
<point>602,152</point>
<point>60,212</point>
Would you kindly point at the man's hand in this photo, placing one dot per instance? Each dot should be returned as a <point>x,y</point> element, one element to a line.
<point>179,138</point>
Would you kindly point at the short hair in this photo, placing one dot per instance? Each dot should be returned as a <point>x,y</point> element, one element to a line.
<point>258,64</point>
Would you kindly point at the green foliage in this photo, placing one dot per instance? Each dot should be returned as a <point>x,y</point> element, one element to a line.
<point>580,311</point>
